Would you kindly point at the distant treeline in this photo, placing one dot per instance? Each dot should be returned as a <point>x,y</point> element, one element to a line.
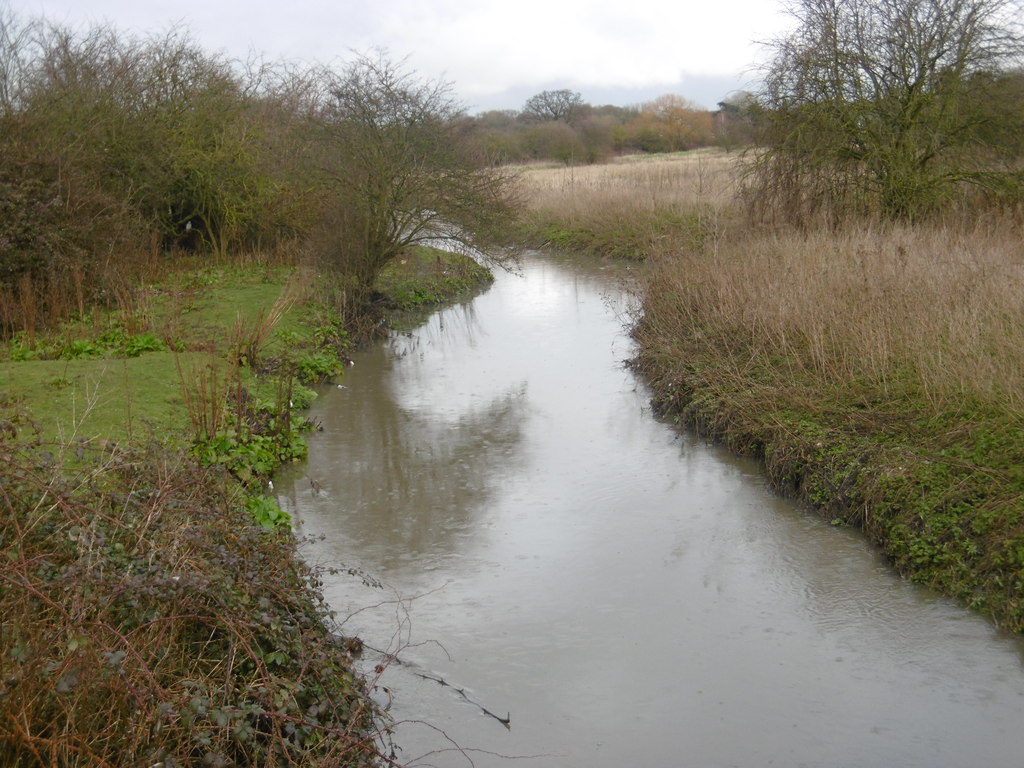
<point>559,125</point>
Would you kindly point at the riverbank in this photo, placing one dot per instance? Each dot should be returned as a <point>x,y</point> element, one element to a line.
<point>874,370</point>
<point>156,607</point>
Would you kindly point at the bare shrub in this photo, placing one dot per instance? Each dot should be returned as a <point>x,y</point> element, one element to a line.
<point>887,108</point>
<point>395,176</point>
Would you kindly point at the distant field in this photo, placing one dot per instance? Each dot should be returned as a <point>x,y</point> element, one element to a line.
<point>636,181</point>
<point>628,207</point>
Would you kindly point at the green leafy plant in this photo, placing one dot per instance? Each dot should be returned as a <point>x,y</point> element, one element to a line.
<point>317,367</point>
<point>21,348</point>
<point>79,349</point>
<point>267,512</point>
<point>145,342</point>
<point>247,459</point>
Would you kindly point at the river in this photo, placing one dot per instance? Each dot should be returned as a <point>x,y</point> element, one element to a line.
<point>623,594</point>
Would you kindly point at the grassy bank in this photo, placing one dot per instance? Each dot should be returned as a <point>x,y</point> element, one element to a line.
<point>876,370</point>
<point>156,610</point>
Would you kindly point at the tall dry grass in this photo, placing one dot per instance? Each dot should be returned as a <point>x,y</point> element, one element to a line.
<point>632,183</point>
<point>936,307</point>
<point>939,309</point>
<point>627,207</point>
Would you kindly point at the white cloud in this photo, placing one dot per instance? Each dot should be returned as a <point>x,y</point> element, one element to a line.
<point>485,47</point>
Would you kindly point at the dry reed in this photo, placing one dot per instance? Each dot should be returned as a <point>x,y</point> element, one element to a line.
<point>632,182</point>
<point>627,207</point>
<point>933,306</point>
<point>928,307</point>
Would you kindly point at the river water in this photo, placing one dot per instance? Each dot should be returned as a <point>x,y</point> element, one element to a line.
<point>624,595</point>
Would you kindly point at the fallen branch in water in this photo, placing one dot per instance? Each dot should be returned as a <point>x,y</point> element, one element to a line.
<point>506,721</point>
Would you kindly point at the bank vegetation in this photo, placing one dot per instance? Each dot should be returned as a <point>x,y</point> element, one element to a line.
<point>846,299</point>
<point>188,245</point>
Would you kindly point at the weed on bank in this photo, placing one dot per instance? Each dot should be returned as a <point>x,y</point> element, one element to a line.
<point>149,620</point>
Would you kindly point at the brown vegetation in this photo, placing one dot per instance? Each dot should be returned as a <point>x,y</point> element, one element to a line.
<point>122,153</point>
<point>626,207</point>
<point>147,620</point>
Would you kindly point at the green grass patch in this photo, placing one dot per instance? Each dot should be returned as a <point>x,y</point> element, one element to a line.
<point>627,234</point>
<point>207,353</point>
<point>424,278</point>
<point>91,399</point>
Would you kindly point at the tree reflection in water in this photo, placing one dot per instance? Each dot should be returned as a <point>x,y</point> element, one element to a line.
<point>400,471</point>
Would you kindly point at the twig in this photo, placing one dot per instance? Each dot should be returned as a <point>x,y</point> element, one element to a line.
<point>506,721</point>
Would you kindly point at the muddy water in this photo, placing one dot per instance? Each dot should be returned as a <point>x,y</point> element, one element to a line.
<point>628,597</point>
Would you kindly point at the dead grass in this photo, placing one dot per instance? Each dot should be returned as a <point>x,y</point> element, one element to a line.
<point>934,308</point>
<point>636,182</point>
<point>877,372</point>
<point>626,208</point>
<point>148,621</point>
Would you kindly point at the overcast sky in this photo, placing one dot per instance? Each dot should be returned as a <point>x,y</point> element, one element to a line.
<point>496,53</point>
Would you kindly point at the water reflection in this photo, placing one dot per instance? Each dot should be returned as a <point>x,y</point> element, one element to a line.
<point>395,483</point>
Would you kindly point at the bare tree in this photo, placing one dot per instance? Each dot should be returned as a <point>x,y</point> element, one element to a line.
<point>873,104</point>
<point>15,41</point>
<point>561,105</point>
<point>400,175</point>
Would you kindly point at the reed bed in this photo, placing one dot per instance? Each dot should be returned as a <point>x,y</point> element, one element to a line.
<point>938,306</point>
<point>937,310</point>
<point>627,207</point>
<point>878,373</point>
<point>705,177</point>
